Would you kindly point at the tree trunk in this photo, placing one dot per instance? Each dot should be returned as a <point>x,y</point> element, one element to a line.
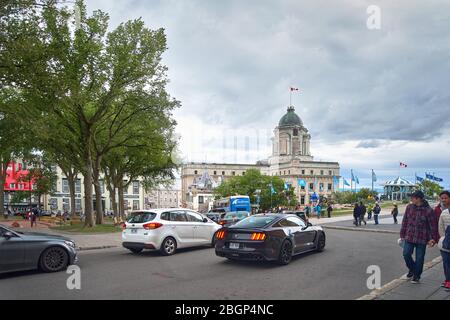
<point>98,191</point>
<point>89,220</point>
<point>112,196</point>
<point>71,178</point>
<point>121,201</point>
<point>2,192</point>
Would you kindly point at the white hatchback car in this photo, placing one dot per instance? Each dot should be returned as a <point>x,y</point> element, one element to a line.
<point>167,230</point>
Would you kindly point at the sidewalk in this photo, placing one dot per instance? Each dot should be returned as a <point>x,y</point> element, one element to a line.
<point>402,289</point>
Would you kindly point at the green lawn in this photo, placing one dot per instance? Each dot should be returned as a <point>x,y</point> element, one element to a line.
<point>79,228</point>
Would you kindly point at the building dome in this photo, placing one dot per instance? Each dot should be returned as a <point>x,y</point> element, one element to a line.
<point>290,119</point>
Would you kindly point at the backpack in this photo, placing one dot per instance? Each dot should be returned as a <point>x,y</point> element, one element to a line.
<point>446,242</point>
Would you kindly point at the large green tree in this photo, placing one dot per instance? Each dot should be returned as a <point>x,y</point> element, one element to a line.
<point>91,82</point>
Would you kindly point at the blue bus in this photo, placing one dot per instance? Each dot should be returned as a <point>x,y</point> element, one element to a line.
<point>232,204</point>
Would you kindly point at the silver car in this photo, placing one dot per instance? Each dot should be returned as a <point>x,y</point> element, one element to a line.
<point>26,251</point>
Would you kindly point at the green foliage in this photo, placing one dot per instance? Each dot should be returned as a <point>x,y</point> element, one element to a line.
<point>430,188</point>
<point>348,197</point>
<point>252,181</point>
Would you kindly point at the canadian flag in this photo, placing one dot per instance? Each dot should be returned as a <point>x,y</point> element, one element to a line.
<point>403,165</point>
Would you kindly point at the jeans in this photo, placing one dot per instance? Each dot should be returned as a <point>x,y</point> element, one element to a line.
<point>395,218</point>
<point>375,218</point>
<point>416,267</point>
<point>446,262</point>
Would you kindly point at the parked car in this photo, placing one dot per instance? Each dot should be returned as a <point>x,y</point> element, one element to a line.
<point>26,251</point>
<point>216,216</point>
<point>269,237</point>
<point>167,230</point>
<point>233,217</point>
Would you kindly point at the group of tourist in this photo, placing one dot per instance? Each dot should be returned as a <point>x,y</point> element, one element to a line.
<point>422,226</point>
<point>360,210</point>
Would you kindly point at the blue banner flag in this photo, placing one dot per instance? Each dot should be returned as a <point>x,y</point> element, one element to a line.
<point>353,176</point>
<point>272,190</point>
<point>346,183</point>
<point>286,186</point>
<point>301,183</point>
<point>420,179</point>
<point>374,176</point>
<point>357,179</point>
<point>336,181</point>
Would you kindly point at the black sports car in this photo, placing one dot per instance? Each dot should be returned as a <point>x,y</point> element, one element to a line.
<point>270,237</point>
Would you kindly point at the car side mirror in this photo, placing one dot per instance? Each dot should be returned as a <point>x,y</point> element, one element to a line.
<point>8,235</point>
<point>309,224</point>
<point>205,220</point>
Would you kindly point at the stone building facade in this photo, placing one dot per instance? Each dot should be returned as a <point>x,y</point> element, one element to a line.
<point>291,160</point>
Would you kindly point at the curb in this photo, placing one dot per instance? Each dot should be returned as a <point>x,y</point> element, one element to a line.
<point>397,282</point>
<point>95,248</point>
<point>359,230</point>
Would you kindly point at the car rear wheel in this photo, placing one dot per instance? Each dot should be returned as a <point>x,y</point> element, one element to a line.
<point>321,242</point>
<point>285,253</point>
<point>169,246</point>
<point>54,259</point>
<point>213,240</point>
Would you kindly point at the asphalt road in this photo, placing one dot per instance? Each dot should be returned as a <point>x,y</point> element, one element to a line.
<point>337,273</point>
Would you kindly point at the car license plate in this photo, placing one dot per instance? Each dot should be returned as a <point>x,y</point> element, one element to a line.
<point>133,230</point>
<point>234,245</point>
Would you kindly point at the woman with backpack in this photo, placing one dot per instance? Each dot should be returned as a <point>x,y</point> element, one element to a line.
<point>444,244</point>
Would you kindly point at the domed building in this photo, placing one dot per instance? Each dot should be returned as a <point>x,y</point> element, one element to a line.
<point>291,159</point>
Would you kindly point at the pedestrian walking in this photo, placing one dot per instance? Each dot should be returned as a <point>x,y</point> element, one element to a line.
<point>394,213</point>
<point>329,210</point>
<point>369,212</point>
<point>307,210</point>
<point>362,213</point>
<point>376,212</point>
<point>356,212</point>
<point>444,244</point>
<point>318,210</point>
<point>418,230</point>
<point>33,217</point>
<point>443,204</point>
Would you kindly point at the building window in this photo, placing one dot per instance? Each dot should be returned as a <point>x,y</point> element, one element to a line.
<point>321,172</point>
<point>302,187</point>
<point>78,186</point>
<point>21,186</point>
<point>12,185</point>
<point>233,173</point>
<point>303,171</point>
<point>78,205</point>
<point>302,200</point>
<point>330,173</point>
<point>53,202</point>
<point>135,204</point>
<point>102,186</point>
<point>321,186</point>
<point>243,173</point>
<point>201,200</point>
<point>195,172</point>
<point>215,173</point>
<point>311,172</point>
<point>289,171</point>
<point>125,204</point>
<point>65,186</point>
<point>330,187</point>
<point>135,187</point>
<point>295,132</point>
<point>311,186</point>
<point>66,204</point>
<point>125,188</point>
<point>223,173</point>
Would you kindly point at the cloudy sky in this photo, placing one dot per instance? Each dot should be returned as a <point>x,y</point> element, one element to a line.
<point>370,98</point>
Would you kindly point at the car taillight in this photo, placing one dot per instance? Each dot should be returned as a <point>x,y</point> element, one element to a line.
<point>222,222</point>
<point>123,225</point>
<point>258,236</point>
<point>220,235</point>
<point>152,225</point>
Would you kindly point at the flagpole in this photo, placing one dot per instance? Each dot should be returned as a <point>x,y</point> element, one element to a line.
<point>290,97</point>
<point>372,180</point>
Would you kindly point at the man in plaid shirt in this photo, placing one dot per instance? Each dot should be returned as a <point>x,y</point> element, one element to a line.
<point>419,228</point>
